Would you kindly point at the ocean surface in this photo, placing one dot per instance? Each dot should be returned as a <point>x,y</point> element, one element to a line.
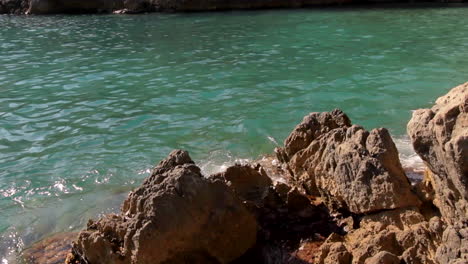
<point>89,103</point>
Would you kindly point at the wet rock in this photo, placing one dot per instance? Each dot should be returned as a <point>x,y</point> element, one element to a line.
<point>353,170</point>
<point>176,216</point>
<point>51,250</point>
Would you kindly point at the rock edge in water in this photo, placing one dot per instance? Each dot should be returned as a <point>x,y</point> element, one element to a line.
<point>344,189</point>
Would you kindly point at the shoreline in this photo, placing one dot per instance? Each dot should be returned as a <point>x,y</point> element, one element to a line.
<point>43,7</point>
<point>345,199</point>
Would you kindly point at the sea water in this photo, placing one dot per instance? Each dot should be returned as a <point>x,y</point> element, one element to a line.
<point>89,103</point>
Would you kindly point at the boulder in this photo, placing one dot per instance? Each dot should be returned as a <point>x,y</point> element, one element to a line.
<point>176,216</point>
<point>440,137</point>
<point>249,183</point>
<point>353,170</point>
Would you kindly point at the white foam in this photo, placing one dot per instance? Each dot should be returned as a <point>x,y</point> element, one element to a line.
<point>408,158</point>
<point>218,161</point>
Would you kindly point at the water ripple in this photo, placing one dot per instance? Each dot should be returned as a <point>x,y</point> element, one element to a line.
<point>89,103</point>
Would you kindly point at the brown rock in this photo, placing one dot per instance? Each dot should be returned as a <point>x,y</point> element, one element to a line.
<point>51,250</point>
<point>249,183</point>
<point>440,137</point>
<point>350,168</point>
<point>313,126</point>
<point>403,233</point>
<point>383,257</point>
<point>176,216</point>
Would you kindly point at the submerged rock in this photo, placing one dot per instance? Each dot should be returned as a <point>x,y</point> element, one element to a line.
<point>51,250</point>
<point>176,216</point>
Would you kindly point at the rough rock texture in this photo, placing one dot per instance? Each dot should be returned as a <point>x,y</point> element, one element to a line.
<point>353,170</point>
<point>249,183</point>
<point>440,137</point>
<point>389,236</point>
<point>176,216</point>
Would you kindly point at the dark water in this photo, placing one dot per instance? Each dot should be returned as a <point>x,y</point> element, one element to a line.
<point>89,103</point>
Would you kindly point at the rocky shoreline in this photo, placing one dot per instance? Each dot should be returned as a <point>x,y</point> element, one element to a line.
<point>39,7</point>
<point>344,198</point>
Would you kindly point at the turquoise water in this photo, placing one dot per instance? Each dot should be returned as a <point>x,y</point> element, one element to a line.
<point>89,103</point>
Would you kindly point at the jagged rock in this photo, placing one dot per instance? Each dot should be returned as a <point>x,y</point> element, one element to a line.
<point>440,137</point>
<point>312,126</point>
<point>176,216</point>
<point>249,183</point>
<point>454,246</point>
<point>352,169</point>
<point>403,233</point>
<point>383,257</point>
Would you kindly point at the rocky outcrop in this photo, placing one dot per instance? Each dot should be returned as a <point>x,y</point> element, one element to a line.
<point>353,170</point>
<point>13,6</point>
<point>73,6</point>
<point>395,235</point>
<point>440,137</point>
<point>141,6</point>
<point>176,216</point>
<point>332,180</point>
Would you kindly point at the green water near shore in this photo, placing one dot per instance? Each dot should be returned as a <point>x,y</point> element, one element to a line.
<point>89,103</point>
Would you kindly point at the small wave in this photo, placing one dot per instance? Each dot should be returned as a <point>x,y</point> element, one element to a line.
<point>218,161</point>
<point>411,162</point>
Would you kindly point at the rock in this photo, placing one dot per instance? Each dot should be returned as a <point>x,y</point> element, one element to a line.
<point>13,6</point>
<point>176,216</point>
<point>400,233</point>
<point>74,6</point>
<point>440,137</point>
<point>383,257</point>
<point>51,250</point>
<point>312,126</point>
<point>249,183</point>
<point>353,170</point>
<point>454,246</point>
